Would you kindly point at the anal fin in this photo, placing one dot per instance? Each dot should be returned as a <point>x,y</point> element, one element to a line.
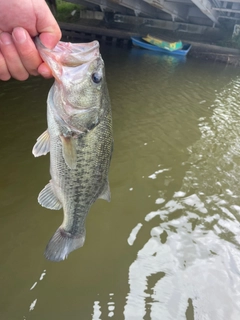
<point>42,146</point>
<point>106,194</point>
<point>48,199</point>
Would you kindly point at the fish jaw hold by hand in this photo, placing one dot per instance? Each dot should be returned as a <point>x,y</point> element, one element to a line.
<point>79,139</point>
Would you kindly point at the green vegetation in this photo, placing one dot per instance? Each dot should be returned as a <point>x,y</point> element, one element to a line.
<point>236,42</point>
<point>65,11</point>
<point>227,40</point>
<point>230,42</point>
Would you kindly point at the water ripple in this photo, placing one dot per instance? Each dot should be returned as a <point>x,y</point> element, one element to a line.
<point>194,253</point>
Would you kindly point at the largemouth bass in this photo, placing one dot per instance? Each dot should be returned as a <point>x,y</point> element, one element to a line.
<point>79,139</point>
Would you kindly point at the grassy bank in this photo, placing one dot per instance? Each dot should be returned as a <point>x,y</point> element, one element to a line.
<point>68,12</point>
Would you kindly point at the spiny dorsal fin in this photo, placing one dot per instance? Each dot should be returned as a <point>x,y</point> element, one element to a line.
<point>48,199</point>
<point>42,146</point>
<point>106,194</point>
<point>69,151</point>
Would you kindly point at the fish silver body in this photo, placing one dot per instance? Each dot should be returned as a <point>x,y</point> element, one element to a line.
<point>79,138</point>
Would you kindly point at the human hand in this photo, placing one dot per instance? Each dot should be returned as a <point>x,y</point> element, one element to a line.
<point>19,22</point>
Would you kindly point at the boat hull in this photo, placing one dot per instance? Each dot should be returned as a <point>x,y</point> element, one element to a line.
<point>137,41</point>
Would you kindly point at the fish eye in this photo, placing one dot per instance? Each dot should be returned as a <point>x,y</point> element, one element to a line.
<point>96,77</point>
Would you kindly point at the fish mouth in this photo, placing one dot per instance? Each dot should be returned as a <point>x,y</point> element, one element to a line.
<point>67,54</point>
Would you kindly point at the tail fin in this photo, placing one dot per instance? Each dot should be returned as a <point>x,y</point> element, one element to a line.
<point>62,243</point>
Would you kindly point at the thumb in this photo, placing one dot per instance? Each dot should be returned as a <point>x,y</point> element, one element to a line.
<point>46,25</point>
<point>50,39</point>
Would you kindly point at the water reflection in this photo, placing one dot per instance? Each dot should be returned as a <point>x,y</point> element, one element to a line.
<point>34,302</point>
<point>169,237</point>
<point>97,308</point>
<point>192,259</point>
<point>169,62</point>
<point>96,311</point>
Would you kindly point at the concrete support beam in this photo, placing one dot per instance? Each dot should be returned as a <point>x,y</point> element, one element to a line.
<point>236,1</point>
<point>227,10</point>
<point>176,10</point>
<point>138,7</point>
<point>188,2</point>
<point>156,24</point>
<point>106,5</point>
<point>229,18</point>
<point>83,3</point>
<point>206,7</point>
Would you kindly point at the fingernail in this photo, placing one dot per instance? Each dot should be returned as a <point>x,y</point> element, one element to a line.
<point>5,38</point>
<point>19,35</point>
<point>48,40</point>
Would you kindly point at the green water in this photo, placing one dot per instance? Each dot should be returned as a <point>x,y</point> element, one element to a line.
<point>167,247</point>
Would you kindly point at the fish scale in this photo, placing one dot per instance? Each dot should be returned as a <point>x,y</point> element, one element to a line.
<point>80,143</point>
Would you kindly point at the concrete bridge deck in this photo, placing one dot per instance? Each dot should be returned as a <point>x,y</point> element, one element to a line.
<point>201,12</point>
<point>123,38</point>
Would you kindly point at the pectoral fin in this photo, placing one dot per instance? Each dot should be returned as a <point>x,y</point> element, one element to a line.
<point>69,151</point>
<point>42,146</point>
<point>106,194</point>
<point>48,199</point>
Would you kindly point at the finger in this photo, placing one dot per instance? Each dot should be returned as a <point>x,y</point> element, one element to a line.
<point>27,50</point>
<point>4,74</point>
<point>12,59</point>
<point>44,71</point>
<point>47,26</point>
